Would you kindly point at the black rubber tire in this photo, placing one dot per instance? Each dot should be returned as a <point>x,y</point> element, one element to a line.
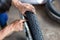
<point>54,14</point>
<point>52,8</point>
<point>34,26</point>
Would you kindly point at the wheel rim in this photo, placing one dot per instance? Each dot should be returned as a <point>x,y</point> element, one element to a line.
<point>53,6</point>
<point>56,5</point>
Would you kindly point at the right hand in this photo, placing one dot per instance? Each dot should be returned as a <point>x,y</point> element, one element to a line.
<point>17,25</point>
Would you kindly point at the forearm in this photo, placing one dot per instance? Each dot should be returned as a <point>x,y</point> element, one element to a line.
<point>5,32</point>
<point>16,2</point>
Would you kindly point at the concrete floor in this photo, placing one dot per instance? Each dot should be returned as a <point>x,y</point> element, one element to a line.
<point>49,27</point>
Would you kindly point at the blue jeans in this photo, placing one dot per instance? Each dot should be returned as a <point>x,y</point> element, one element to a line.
<point>3,19</point>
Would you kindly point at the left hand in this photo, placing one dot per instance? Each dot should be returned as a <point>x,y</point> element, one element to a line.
<point>26,7</point>
<point>23,7</point>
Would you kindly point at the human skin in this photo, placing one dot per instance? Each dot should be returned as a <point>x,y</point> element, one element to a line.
<point>23,7</point>
<point>14,26</point>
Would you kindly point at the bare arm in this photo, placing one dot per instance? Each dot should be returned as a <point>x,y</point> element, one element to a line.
<point>15,26</point>
<point>3,33</point>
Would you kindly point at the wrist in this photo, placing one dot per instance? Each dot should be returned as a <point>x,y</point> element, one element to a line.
<point>6,32</point>
<point>16,3</point>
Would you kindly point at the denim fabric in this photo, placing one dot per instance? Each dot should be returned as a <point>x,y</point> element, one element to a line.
<point>3,19</point>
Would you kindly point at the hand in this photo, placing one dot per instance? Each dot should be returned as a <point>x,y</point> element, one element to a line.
<point>14,26</point>
<point>26,7</point>
<point>17,25</point>
<point>23,7</point>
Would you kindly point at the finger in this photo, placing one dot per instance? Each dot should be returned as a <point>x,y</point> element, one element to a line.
<point>34,11</point>
<point>23,12</point>
<point>21,27</point>
<point>22,21</point>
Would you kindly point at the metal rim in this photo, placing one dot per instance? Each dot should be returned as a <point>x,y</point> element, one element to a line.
<point>52,8</point>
